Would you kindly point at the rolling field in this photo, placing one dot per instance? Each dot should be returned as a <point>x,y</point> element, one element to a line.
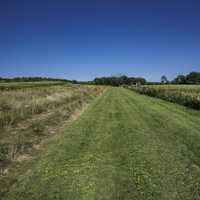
<point>124,146</point>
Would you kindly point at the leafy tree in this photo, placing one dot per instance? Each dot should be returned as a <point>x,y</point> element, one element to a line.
<point>119,80</point>
<point>31,79</point>
<point>180,79</point>
<point>164,80</point>
<point>193,78</point>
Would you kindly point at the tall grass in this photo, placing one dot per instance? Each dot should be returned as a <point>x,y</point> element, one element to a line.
<point>187,95</point>
<point>20,85</point>
<point>17,105</point>
<point>30,114</point>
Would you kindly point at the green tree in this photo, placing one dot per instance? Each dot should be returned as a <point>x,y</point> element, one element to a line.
<point>164,80</point>
<point>193,78</point>
<point>180,79</point>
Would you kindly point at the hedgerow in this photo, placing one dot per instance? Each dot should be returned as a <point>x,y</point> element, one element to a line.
<point>180,95</point>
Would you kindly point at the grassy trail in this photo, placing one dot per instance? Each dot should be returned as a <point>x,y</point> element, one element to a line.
<point>125,146</point>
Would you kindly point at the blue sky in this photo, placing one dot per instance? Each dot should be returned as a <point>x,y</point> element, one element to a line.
<point>83,39</point>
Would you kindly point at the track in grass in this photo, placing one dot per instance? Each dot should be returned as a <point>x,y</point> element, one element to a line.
<point>125,146</point>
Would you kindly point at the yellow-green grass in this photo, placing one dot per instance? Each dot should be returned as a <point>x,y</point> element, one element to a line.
<point>125,146</point>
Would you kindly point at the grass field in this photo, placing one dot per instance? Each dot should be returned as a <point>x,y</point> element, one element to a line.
<point>125,146</point>
<point>20,85</point>
<point>31,115</point>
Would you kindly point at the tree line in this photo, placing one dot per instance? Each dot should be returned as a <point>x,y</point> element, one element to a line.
<point>118,80</point>
<point>31,79</point>
<point>191,78</point>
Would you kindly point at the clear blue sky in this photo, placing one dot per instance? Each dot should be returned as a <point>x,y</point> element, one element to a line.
<point>82,39</point>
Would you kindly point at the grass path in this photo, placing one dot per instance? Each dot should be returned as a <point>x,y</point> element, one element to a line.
<point>125,146</point>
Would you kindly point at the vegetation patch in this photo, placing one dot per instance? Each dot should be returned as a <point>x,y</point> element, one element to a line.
<point>187,95</point>
<point>125,146</point>
<point>30,116</point>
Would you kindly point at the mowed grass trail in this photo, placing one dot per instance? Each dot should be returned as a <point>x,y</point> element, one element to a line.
<point>125,146</point>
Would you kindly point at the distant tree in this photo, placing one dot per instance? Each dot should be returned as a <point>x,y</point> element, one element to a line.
<point>164,80</point>
<point>193,78</point>
<point>140,80</point>
<point>30,79</point>
<point>74,81</point>
<point>180,79</point>
<point>119,80</point>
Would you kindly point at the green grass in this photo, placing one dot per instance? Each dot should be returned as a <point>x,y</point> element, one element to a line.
<point>28,117</point>
<point>125,146</point>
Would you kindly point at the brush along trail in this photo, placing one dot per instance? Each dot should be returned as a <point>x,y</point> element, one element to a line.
<point>124,146</point>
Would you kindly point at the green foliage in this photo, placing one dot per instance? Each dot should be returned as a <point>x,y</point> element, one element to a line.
<point>191,78</point>
<point>180,79</point>
<point>164,80</point>
<point>118,80</point>
<point>31,79</point>
<point>185,95</point>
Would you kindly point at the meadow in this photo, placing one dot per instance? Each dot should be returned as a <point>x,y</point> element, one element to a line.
<point>123,146</point>
<point>31,113</point>
<point>187,95</point>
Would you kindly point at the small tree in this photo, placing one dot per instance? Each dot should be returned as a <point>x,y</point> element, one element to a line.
<point>180,79</point>
<point>193,78</point>
<point>164,80</point>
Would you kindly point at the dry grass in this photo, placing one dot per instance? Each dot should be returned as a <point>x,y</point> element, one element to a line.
<point>17,105</point>
<point>29,115</point>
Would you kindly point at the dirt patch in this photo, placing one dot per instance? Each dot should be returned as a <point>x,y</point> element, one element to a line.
<point>23,157</point>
